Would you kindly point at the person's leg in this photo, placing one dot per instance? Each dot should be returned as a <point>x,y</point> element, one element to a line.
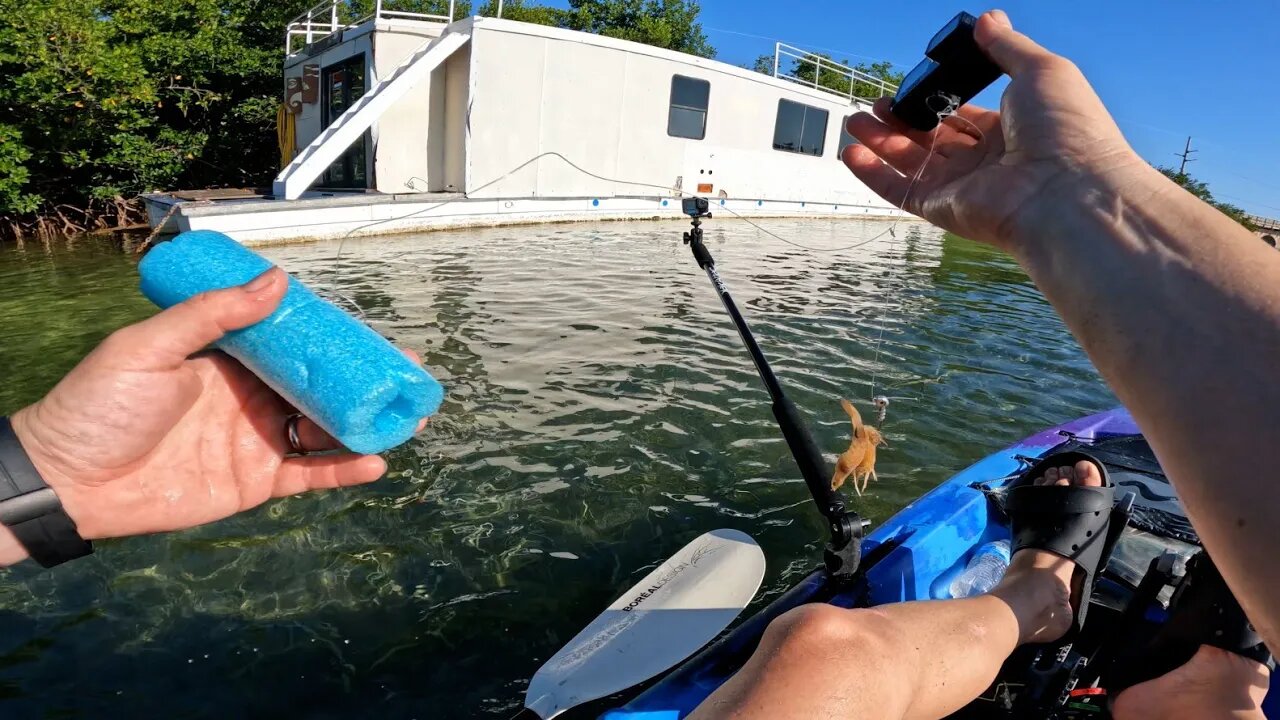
<point>1214,685</point>
<point>909,660</point>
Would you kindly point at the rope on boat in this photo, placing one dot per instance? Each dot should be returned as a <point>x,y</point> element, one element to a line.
<point>155,232</point>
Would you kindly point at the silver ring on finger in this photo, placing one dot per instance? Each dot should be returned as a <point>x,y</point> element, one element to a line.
<point>292,434</point>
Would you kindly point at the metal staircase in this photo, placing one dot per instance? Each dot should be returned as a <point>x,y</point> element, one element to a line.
<point>312,161</point>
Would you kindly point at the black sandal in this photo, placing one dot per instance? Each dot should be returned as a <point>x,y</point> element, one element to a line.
<point>1073,521</point>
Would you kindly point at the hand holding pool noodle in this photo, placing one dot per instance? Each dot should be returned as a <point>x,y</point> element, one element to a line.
<point>332,367</point>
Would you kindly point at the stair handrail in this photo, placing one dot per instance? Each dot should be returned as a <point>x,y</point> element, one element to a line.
<point>324,20</point>
<point>310,162</point>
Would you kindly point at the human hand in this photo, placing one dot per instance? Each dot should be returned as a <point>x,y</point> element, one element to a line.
<point>144,437</point>
<point>995,175</point>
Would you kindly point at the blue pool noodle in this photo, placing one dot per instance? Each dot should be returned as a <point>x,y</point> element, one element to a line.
<point>332,367</point>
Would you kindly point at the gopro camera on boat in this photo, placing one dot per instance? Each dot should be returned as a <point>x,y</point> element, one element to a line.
<point>953,71</point>
<point>696,207</point>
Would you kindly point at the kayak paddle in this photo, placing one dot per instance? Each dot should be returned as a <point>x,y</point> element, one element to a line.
<point>665,618</point>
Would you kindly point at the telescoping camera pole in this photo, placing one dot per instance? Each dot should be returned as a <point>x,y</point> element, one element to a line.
<point>843,552</point>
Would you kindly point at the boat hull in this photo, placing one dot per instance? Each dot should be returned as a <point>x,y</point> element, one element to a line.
<point>336,216</point>
<point>912,556</point>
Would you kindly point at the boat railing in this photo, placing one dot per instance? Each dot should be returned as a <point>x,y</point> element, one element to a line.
<point>332,16</point>
<point>1264,223</point>
<point>821,72</point>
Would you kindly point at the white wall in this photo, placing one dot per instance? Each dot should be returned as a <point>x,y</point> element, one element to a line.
<point>450,146</point>
<point>603,104</point>
<point>400,136</point>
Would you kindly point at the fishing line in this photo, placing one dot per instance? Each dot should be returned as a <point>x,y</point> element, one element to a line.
<point>948,110</point>
<point>875,364</point>
<point>618,181</point>
<point>666,189</point>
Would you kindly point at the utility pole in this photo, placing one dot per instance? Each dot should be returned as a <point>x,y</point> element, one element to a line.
<point>1186,157</point>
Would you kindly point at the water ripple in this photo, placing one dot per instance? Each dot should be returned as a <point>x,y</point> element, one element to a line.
<point>600,407</point>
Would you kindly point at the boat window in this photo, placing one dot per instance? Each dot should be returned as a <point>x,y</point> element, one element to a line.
<point>688,115</point>
<point>800,128</point>
<point>845,138</point>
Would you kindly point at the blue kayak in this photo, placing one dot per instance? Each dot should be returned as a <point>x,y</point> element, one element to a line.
<point>916,554</point>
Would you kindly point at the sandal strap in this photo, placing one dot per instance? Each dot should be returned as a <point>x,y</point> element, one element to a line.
<point>1061,519</point>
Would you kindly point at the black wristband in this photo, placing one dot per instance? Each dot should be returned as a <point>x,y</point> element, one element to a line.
<point>31,509</point>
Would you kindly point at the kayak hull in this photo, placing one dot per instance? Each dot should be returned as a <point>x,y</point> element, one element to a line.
<point>913,556</point>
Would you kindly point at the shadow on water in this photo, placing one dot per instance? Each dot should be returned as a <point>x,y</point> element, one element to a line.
<point>600,414</point>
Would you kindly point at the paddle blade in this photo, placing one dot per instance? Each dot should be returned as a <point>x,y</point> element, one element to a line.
<point>675,610</point>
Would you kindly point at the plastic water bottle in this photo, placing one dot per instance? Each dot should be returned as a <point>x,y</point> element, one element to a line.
<point>984,570</point>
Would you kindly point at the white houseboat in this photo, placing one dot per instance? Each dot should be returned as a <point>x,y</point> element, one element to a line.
<point>402,122</point>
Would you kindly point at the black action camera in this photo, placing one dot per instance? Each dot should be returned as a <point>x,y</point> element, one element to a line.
<point>696,207</point>
<point>953,71</point>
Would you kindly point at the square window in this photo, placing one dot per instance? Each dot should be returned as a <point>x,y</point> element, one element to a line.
<point>800,128</point>
<point>687,117</point>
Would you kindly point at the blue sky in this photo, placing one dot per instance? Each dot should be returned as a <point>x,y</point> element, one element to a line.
<point>1166,68</point>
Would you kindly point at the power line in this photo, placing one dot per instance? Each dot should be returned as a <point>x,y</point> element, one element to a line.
<point>1186,158</point>
<point>1253,180</point>
<point>1246,201</point>
<point>802,44</point>
<point>1126,122</point>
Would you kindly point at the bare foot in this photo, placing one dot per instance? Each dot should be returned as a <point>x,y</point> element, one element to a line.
<point>1213,685</point>
<point>1038,583</point>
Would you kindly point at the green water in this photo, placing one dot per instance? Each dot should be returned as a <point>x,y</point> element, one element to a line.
<point>600,414</point>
